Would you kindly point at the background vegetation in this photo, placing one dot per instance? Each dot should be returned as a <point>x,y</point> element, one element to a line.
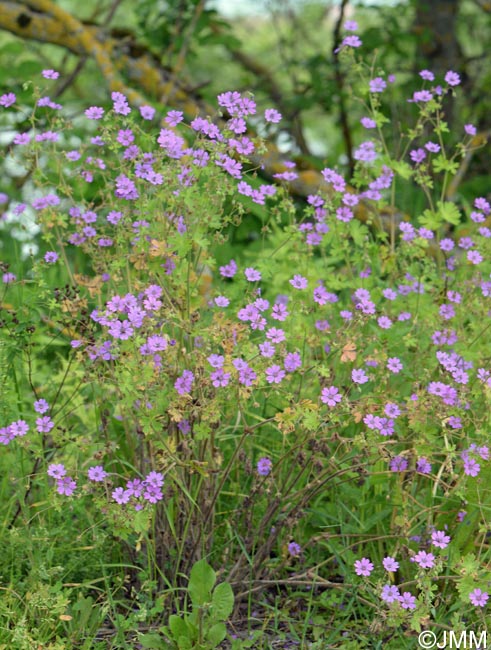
<point>90,577</point>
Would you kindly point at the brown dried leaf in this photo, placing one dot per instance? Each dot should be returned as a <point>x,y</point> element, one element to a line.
<point>349,352</point>
<point>158,248</point>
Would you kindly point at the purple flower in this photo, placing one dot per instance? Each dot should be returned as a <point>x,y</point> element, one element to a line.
<point>174,117</point>
<point>417,155</point>
<point>120,495</point>
<point>41,406</point>
<point>275,335</point>
<point>423,466</point>
<point>421,96</point>
<point>279,312</point>
<point>432,147</point>
<point>292,361</point>
<point>440,539</point>
<point>252,275</point>
<point>359,376</point>
<point>398,464</point>
<point>56,470</point>
<point>408,232</point>
<point>155,479</point>
<point>152,492</point>
<point>125,137</point>
<point>22,138</point>
<point>125,188</point>
<point>390,564</point>
<point>94,113</point>
<point>264,466</point>
<point>97,473</point>
<point>275,374</point>
<point>390,594</point>
<point>147,112</point>
<point>392,410</point>
<point>351,41</point>
<point>51,257</point>
<point>471,467</point>
<point>394,364</point>
<point>184,383</point>
<point>377,85</point>
<point>351,26</point>
<point>294,549</point>
<point>452,78</point>
<point>50,74</point>
<point>299,282</point>
<point>171,142</point>
<point>7,100</point>
<point>156,343</point>
<point>447,244</point>
<point>330,396</point>
<point>478,598</point>
<point>216,360</point>
<point>407,600</point>
<point>384,322</point>
<point>365,152</point>
<point>267,349</point>
<point>427,75</point>
<point>229,270</point>
<point>135,487</point>
<point>236,124</point>
<point>18,428</point>
<point>470,129</point>
<point>66,485</point>
<point>219,378</point>
<point>454,421</point>
<point>184,427</point>
<point>474,257</point>
<point>272,115</point>
<point>424,559</point>
<point>114,217</point>
<point>44,424</point>
<point>231,166</point>
<point>120,103</point>
<point>368,123</point>
<point>363,567</point>
<point>5,435</point>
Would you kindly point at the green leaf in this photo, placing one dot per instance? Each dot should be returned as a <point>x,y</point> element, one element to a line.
<point>151,641</point>
<point>402,169</point>
<point>202,431</point>
<point>442,128</point>
<point>201,582</point>
<point>380,118</point>
<point>177,626</point>
<point>430,219</point>
<point>216,634</point>
<point>358,231</point>
<point>28,69</point>
<point>311,420</point>
<point>449,212</point>
<point>222,601</point>
<point>441,164</point>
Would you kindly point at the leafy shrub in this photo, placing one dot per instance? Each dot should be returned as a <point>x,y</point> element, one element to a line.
<point>311,409</point>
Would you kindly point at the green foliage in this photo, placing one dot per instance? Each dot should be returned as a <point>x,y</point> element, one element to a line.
<point>283,479</point>
<point>203,628</point>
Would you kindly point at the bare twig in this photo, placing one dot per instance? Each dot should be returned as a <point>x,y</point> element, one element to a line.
<point>343,113</point>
